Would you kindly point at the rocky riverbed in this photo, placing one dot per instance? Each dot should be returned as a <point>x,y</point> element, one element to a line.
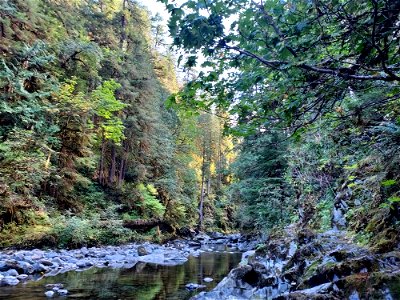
<point>17,266</point>
<point>305,265</point>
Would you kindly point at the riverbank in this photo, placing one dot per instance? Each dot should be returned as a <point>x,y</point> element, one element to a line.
<point>306,265</point>
<point>18,266</point>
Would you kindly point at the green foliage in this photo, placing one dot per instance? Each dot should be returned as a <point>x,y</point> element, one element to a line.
<point>388,182</point>
<point>150,205</point>
<point>305,71</point>
<point>83,121</point>
<point>104,105</point>
<point>324,213</point>
<point>90,230</point>
<point>262,188</point>
<point>74,231</point>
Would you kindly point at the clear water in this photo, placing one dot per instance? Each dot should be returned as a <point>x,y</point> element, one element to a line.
<point>142,282</point>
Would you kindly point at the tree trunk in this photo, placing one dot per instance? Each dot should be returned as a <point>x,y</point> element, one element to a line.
<point>219,162</point>
<point>201,206</point>
<point>101,165</point>
<point>121,172</point>
<point>123,25</point>
<point>111,173</point>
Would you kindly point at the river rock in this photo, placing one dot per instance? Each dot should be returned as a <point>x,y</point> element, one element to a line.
<point>9,280</point>
<point>62,292</point>
<point>49,294</point>
<point>37,254</point>
<point>81,264</point>
<point>142,251</point>
<point>54,285</point>
<point>46,262</point>
<point>247,257</point>
<point>39,268</point>
<point>50,254</point>
<point>202,237</point>
<point>234,238</point>
<point>194,286</point>
<point>84,251</point>
<point>216,235</point>
<point>22,277</point>
<point>3,266</point>
<point>25,267</point>
<point>12,272</point>
<point>116,257</point>
<point>208,279</point>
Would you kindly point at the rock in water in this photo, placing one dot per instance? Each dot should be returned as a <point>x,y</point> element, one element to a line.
<point>62,292</point>
<point>208,279</point>
<point>194,286</point>
<point>49,294</point>
<point>9,280</point>
<point>54,285</point>
<point>22,277</point>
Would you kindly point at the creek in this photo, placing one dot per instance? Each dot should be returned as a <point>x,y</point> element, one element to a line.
<point>142,281</point>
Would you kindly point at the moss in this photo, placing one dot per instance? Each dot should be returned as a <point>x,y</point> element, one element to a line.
<point>370,285</point>
<point>26,236</point>
<point>312,269</point>
<point>385,241</point>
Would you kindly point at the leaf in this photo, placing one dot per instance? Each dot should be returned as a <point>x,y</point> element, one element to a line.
<point>394,199</point>
<point>388,182</point>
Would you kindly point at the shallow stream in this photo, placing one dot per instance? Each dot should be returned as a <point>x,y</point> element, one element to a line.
<point>144,281</point>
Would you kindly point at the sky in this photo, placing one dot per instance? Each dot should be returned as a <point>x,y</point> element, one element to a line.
<point>155,7</point>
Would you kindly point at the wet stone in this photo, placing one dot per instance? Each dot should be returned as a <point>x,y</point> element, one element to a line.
<point>194,286</point>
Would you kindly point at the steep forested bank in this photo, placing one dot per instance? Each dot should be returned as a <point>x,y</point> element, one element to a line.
<point>86,140</point>
<point>313,88</point>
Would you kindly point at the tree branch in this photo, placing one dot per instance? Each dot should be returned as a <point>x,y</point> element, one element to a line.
<point>336,72</point>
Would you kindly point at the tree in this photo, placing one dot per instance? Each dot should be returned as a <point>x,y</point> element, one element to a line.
<point>261,187</point>
<point>288,62</point>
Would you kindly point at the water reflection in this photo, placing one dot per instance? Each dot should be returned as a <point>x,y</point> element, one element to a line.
<point>142,282</point>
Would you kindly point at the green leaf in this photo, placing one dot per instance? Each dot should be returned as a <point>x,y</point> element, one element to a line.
<point>388,182</point>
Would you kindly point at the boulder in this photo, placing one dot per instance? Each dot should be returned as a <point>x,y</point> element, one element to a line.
<point>49,294</point>
<point>9,280</point>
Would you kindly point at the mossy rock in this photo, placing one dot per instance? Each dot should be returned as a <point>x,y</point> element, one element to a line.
<point>371,285</point>
<point>305,235</point>
<point>317,274</point>
<point>385,241</point>
<point>302,296</point>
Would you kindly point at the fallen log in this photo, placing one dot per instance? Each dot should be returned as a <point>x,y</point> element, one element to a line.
<point>146,225</point>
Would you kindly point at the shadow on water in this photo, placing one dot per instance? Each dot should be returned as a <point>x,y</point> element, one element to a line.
<point>142,282</point>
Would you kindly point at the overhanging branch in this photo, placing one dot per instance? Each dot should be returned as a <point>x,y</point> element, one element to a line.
<point>336,72</point>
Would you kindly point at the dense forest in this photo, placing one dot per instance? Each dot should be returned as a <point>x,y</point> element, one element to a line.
<point>288,113</point>
<point>87,141</point>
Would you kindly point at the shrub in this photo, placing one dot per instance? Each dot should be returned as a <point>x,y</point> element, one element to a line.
<point>150,205</point>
